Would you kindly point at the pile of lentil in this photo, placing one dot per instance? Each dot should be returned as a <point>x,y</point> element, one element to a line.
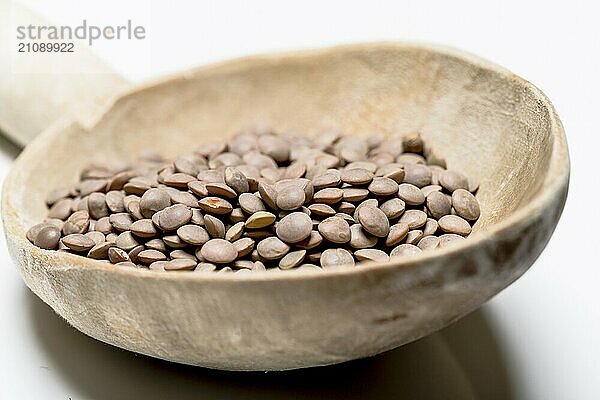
<point>265,202</point>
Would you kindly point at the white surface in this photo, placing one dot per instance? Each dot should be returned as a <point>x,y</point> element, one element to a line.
<point>539,339</point>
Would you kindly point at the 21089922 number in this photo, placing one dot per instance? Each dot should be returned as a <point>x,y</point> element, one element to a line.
<point>46,47</point>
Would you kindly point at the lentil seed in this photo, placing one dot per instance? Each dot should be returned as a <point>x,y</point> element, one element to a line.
<point>335,230</point>
<point>48,237</point>
<point>374,221</point>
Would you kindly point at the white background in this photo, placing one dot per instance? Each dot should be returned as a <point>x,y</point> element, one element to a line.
<point>538,339</point>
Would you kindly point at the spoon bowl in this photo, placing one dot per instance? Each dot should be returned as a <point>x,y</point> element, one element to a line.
<point>487,123</point>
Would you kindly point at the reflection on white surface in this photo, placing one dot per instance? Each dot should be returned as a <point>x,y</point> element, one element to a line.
<point>441,366</point>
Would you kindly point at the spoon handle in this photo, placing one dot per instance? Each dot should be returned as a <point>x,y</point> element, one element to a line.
<point>38,89</point>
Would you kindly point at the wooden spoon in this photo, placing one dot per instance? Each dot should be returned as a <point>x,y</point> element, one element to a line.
<point>487,122</point>
<point>33,98</point>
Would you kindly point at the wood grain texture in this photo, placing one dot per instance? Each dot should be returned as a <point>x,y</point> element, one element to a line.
<point>486,121</point>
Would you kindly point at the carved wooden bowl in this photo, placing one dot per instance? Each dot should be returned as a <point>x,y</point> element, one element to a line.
<point>487,122</point>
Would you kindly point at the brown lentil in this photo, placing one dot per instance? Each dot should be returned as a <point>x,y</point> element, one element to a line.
<point>265,202</point>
